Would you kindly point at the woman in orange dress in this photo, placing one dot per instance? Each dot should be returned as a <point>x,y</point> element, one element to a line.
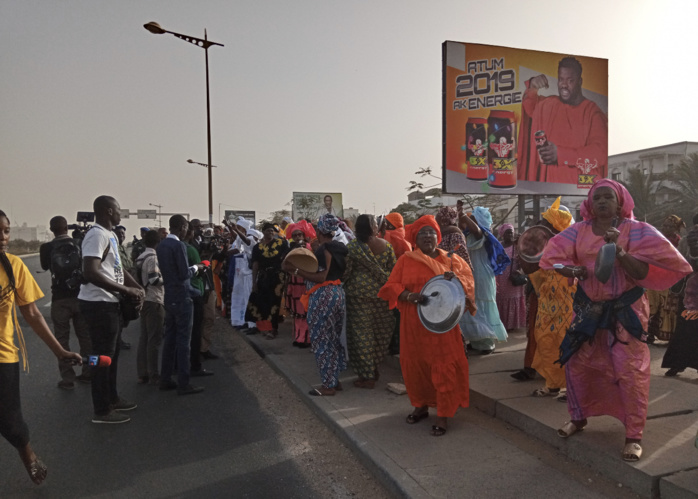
<point>434,366</point>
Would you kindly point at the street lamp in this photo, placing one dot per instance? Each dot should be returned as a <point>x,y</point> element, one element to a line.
<point>200,164</point>
<point>155,28</point>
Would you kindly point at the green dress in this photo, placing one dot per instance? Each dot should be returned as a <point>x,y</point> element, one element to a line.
<point>370,323</point>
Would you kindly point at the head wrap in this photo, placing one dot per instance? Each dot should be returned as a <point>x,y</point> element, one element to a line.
<point>483,217</point>
<point>503,228</point>
<point>243,222</point>
<point>347,231</point>
<point>254,233</point>
<point>287,220</point>
<point>449,214</point>
<point>625,201</point>
<point>412,230</point>
<point>395,219</point>
<point>328,224</point>
<point>560,219</point>
<point>675,221</point>
<point>304,227</point>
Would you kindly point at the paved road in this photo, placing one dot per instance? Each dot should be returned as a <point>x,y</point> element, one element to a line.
<point>248,435</point>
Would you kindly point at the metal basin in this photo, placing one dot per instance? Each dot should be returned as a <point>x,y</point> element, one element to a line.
<point>444,306</point>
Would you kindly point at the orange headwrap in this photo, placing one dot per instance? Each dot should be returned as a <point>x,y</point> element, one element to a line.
<point>395,219</point>
<point>423,221</point>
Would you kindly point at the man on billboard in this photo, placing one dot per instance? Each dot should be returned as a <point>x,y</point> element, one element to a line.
<point>326,208</point>
<point>567,141</point>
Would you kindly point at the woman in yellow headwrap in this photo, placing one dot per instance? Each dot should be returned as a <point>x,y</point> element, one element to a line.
<point>555,295</point>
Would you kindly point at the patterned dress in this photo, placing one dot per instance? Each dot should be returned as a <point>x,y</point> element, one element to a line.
<point>370,323</point>
<point>454,240</point>
<point>265,304</point>
<point>511,300</point>
<point>326,308</point>
<point>555,297</point>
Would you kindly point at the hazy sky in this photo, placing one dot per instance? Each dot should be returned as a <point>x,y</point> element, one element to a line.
<point>306,95</point>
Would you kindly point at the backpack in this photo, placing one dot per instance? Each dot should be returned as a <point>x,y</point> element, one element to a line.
<point>138,271</point>
<point>66,265</point>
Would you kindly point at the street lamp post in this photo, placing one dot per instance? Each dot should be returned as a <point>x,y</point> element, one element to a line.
<point>155,28</point>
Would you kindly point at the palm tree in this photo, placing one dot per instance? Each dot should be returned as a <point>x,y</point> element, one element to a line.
<point>643,189</point>
<point>684,178</point>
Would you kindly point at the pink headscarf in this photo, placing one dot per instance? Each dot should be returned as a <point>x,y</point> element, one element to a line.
<point>503,228</point>
<point>625,201</point>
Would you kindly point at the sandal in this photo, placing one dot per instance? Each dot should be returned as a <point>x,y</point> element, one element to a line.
<point>322,392</point>
<point>546,392</point>
<point>522,375</point>
<point>632,452</point>
<point>415,418</point>
<point>270,335</point>
<point>569,429</point>
<point>562,396</point>
<point>37,471</point>
<point>437,431</point>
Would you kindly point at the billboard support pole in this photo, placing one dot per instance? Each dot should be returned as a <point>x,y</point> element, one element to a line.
<point>522,210</point>
<point>536,207</point>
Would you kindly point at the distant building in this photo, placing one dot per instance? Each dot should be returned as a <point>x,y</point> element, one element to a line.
<point>26,233</point>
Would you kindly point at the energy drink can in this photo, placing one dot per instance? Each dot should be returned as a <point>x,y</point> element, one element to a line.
<point>502,149</point>
<point>476,149</point>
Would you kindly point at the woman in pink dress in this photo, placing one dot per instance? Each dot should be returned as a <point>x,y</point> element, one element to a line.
<point>605,354</point>
<point>300,233</point>
<point>511,300</point>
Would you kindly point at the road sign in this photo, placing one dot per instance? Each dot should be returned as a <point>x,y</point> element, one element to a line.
<point>147,214</point>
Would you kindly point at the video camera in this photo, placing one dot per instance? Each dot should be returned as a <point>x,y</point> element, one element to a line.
<point>79,231</point>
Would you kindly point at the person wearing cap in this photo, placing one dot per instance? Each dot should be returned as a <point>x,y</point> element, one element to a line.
<point>138,246</point>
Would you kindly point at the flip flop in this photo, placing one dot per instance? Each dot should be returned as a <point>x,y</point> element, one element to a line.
<point>437,431</point>
<point>416,418</point>
<point>632,452</point>
<point>545,392</point>
<point>322,392</point>
<point>568,429</point>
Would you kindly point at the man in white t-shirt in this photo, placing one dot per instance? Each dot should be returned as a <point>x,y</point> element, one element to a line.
<point>102,269</point>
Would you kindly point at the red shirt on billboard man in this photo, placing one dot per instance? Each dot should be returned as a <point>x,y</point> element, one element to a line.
<point>572,131</point>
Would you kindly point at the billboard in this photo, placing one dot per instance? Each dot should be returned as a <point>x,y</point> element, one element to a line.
<point>232,216</point>
<point>313,205</point>
<point>522,121</point>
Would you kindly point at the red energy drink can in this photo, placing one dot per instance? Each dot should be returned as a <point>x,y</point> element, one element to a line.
<point>476,149</point>
<point>502,149</point>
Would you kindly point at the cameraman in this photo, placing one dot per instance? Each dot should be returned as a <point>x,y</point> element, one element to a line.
<point>205,244</point>
<point>65,286</point>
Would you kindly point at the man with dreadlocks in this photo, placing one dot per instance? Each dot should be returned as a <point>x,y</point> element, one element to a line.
<point>18,286</point>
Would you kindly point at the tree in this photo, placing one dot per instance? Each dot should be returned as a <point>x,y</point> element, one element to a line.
<point>684,187</point>
<point>643,189</point>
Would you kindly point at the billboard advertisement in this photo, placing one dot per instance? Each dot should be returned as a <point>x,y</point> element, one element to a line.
<point>312,205</point>
<point>232,215</point>
<point>522,121</point>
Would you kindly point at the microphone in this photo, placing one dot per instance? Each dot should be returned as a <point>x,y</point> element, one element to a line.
<point>97,361</point>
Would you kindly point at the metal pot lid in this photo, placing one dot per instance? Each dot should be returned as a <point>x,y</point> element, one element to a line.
<point>604,262</point>
<point>444,306</point>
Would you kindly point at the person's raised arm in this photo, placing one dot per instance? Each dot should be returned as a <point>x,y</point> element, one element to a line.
<point>466,222</point>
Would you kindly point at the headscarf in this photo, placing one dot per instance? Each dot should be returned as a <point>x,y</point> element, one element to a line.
<point>449,213</point>
<point>558,218</point>
<point>496,255</point>
<point>348,233</point>
<point>503,228</point>
<point>424,221</point>
<point>304,227</point>
<point>243,222</point>
<point>328,224</point>
<point>287,220</point>
<point>395,219</point>
<point>625,201</point>
<point>676,221</point>
<point>483,217</point>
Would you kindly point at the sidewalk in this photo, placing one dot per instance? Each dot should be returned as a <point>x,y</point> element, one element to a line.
<point>471,460</point>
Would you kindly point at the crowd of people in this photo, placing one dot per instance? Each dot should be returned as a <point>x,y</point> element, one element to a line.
<point>354,293</point>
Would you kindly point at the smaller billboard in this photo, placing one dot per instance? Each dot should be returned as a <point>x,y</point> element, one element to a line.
<point>313,205</point>
<point>232,215</point>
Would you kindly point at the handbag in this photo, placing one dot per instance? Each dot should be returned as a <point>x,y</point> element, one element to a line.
<point>517,279</point>
<point>129,311</point>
